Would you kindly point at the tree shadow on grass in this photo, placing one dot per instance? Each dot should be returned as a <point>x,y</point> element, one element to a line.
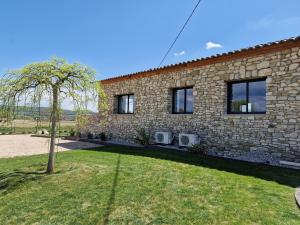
<point>10,181</point>
<point>284,176</point>
<point>112,195</point>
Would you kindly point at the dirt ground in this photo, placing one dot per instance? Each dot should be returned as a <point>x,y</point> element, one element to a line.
<point>21,145</point>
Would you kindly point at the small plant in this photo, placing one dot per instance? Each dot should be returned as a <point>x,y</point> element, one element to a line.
<point>198,148</point>
<point>44,131</point>
<point>143,137</point>
<point>72,132</point>
<point>90,135</point>
<point>271,125</point>
<point>102,136</point>
<point>79,134</point>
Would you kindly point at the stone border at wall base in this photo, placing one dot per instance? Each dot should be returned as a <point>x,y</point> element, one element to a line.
<point>297,196</point>
<point>174,148</point>
<point>293,164</point>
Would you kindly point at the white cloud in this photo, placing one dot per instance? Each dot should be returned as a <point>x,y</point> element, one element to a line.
<point>177,54</point>
<point>210,45</point>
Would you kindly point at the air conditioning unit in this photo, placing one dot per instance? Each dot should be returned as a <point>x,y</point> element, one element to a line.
<point>163,137</point>
<point>187,140</point>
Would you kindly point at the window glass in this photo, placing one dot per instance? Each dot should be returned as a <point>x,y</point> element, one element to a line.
<point>126,104</point>
<point>257,96</point>
<point>123,104</point>
<point>130,105</point>
<point>179,101</point>
<point>183,101</point>
<point>247,97</point>
<point>238,97</point>
<point>189,100</point>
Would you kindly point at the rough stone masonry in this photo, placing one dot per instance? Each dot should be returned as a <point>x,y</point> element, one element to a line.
<point>276,133</point>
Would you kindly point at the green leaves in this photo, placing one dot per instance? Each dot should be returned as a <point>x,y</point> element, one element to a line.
<point>35,82</point>
<point>75,81</point>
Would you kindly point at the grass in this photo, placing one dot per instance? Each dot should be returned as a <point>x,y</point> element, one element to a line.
<point>31,130</point>
<point>29,126</point>
<point>31,123</point>
<point>116,185</point>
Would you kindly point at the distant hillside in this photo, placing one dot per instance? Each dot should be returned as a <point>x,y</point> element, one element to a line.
<point>24,112</point>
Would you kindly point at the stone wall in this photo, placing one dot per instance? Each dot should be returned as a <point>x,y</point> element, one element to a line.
<point>277,132</point>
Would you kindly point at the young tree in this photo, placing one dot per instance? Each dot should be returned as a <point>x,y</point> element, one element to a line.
<point>56,79</point>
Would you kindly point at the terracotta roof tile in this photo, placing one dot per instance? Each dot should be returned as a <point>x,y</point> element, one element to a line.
<point>241,53</point>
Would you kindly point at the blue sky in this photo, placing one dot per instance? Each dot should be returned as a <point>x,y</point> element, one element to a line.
<point>120,37</point>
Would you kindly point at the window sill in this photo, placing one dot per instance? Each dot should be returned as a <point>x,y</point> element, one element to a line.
<point>181,113</point>
<point>245,115</point>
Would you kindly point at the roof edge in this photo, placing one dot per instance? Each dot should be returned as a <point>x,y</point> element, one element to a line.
<point>233,55</point>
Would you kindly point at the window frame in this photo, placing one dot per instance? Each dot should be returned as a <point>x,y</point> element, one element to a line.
<point>173,100</point>
<point>229,93</point>
<point>128,96</point>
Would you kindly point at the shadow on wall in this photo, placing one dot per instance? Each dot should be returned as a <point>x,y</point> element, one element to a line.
<point>284,176</point>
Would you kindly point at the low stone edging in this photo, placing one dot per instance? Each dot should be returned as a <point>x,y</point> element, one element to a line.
<point>168,147</point>
<point>48,136</point>
<point>297,196</point>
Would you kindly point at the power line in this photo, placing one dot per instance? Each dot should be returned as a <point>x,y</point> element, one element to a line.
<point>184,25</point>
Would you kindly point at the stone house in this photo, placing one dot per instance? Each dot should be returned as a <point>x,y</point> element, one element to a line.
<point>240,102</point>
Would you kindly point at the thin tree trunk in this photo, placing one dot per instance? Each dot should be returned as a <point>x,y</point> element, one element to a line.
<point>50,167</point>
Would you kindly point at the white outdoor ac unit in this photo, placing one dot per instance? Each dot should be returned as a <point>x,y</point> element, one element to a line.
<point>163,137</point>
<point>187,140</point>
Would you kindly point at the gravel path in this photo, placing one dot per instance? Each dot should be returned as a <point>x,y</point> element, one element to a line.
<point>21,145</point>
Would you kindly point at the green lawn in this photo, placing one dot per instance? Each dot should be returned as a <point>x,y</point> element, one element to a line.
<point>115,185</point>
<point>32,130</point>
<point>29,126</point>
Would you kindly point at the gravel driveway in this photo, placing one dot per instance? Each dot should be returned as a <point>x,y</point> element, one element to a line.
<point>20,145</point>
